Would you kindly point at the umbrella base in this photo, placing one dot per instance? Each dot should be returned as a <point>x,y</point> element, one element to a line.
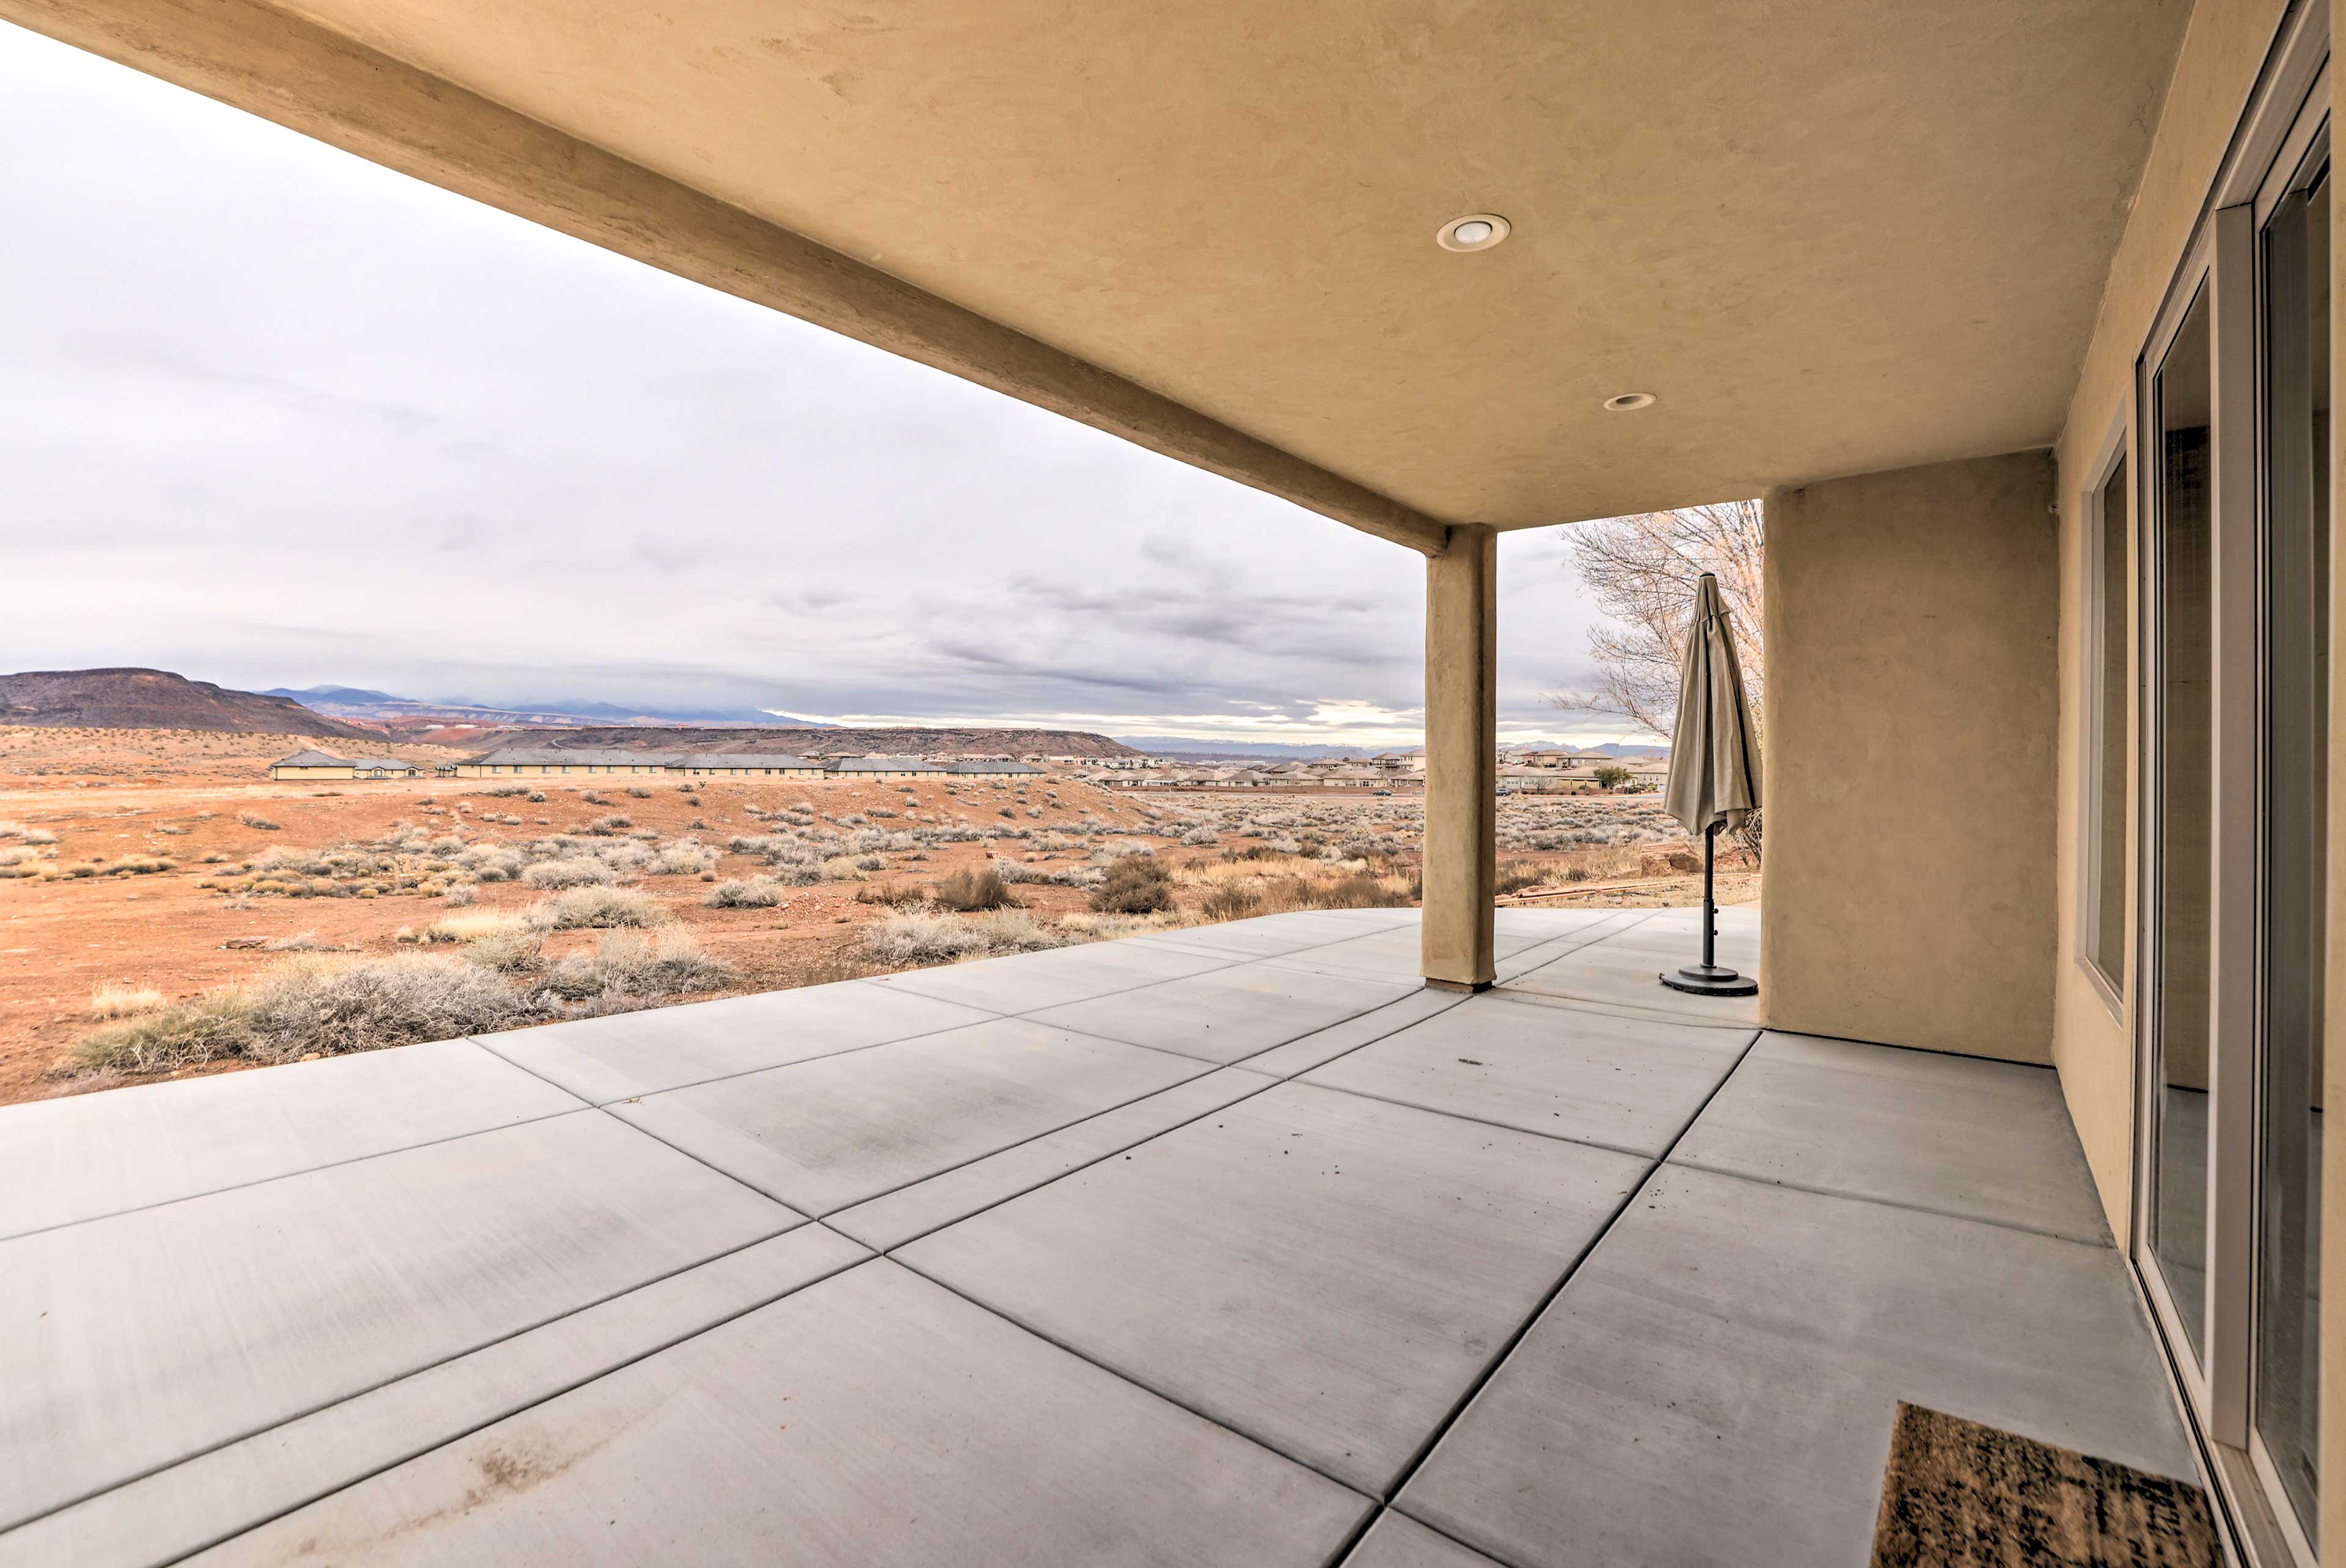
<point>1710,980</point>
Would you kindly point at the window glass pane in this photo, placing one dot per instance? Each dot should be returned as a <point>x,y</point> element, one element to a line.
<point>2179,1202</point>
<point>2109,762</point>
<point>2297,749</point>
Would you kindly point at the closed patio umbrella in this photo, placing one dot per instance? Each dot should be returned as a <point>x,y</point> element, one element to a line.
<point>1714,771</point>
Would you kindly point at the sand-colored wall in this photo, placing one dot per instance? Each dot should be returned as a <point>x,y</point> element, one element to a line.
<point>1908,882</point>
<point>2223,48</point>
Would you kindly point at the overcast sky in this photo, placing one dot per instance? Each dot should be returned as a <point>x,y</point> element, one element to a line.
<point>271,415</point>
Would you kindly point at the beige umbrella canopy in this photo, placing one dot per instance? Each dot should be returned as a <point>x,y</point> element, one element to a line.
<point>1714,771</point>
<point>1714,767</point>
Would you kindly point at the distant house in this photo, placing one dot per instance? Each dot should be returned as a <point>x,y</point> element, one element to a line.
<point>311,764</point>
<point>308,763</point>
<point>995,768</point>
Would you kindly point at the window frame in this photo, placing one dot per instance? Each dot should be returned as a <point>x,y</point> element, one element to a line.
<point>2117,450</point>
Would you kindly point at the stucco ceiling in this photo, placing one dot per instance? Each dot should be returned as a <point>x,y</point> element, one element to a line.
<point>1828,236</point>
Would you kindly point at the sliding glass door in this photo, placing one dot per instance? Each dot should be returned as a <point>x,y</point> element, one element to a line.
<point>2295,262</point>
<point>2233,465</point>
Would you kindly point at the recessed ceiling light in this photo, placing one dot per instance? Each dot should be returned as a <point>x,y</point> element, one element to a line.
<point>1475,232</point>
<point>1628,400</point>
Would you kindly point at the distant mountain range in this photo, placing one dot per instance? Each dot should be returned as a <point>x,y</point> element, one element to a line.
<point>361,702</point>
<point>133,699</point>
<point>829,740</point>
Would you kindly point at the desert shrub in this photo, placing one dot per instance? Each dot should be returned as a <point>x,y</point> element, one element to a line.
<point>967,891</point>
<point>312,1006</point>
<point>577,872</point>
<point>537,795</point>
<point>929,936</point>
<point>1134,885</point>
<point>1201,836</point>
<point>637,792</point>
<point>12,830</point>
<point>1056,876</point>
<point>871,863</point>
<point>328,1006</point>
<point>578,908</point>
<point>255,820</point>
<point>116,1000</point>
<point>1230,902</point>
<point>683,859</point>
<point>626,964</point>
<point>491,862</point>
<point>754,893</point>
<point>42,836</point>
<point>515,948</point>
<point>458,896</point>
<point>604,827</point>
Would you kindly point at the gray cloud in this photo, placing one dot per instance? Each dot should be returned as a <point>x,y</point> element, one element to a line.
<point>273,415</point>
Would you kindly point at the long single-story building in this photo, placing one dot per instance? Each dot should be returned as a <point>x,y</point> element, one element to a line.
<point>310,763</point>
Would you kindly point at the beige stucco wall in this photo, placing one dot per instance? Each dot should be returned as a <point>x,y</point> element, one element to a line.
<point>1908,884</point>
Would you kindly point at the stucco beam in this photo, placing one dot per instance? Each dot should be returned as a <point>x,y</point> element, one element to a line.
<point>330,88</point>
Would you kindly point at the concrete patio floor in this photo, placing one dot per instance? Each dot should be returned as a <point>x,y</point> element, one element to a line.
<point>1220,1245</point>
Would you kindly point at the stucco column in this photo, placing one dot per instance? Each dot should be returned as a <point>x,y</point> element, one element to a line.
<point>1462,758</point>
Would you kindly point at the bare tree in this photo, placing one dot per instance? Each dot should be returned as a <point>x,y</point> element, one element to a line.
<point>1642,569</point>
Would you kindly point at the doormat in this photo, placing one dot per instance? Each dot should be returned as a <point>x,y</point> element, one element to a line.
<point>1958,1494</point>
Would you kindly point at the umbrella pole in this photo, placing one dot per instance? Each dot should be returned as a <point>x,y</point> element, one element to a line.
<point>1709,897</point>
<point>1706,978</point>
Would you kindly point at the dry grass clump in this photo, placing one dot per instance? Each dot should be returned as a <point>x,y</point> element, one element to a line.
<point>933,936</point>
<point>575,871</point>
<point>1135,884</point>
<point>255,820</point>
<point>116,1000</point>
<point>189,1033</point>
<point>472,927</point>
<point>1230,901</point>
<point>140,865</point>
<point>300,941</point>
<point>747,893</point>
<point>684,857</point>
<point>969,892</point>
<point>624,964</point>
<point>312,1006</point>
<point>1517,875</point>
<point>580,908</point>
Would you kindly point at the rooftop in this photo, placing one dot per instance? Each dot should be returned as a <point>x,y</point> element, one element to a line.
<point>1226,1244</point>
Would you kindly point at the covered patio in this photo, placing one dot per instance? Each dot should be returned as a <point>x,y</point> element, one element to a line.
<point>1382,1236</point>
<point>1229,1244</point>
